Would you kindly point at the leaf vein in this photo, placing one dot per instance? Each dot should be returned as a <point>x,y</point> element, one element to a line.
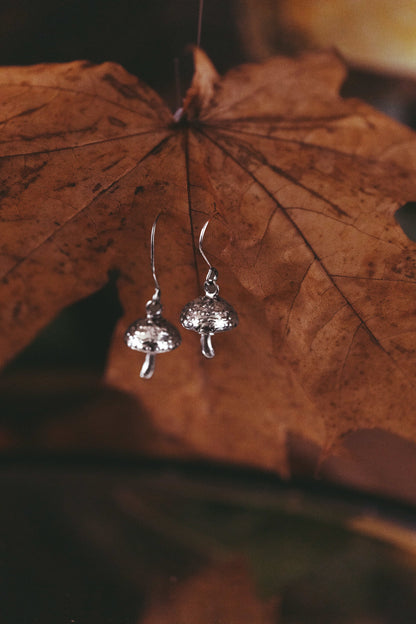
<point>310,247</point>
<point>82,145</point>
<point>82,210</point>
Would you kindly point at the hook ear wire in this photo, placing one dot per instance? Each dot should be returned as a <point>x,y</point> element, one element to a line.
<point>201,238</point>
<point>156,296</point>
<point>211,287</point>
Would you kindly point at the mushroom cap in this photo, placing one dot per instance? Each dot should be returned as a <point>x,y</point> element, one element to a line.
<point>209,315</point>
<point>152,335</point>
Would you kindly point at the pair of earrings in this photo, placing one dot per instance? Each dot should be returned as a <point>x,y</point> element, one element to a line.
<point>205,315</point>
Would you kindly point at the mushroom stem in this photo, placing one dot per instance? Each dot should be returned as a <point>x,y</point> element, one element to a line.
<point>148,367</point>
<point>206,345</point>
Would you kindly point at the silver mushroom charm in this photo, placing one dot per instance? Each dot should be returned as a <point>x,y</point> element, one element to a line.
<point>208,314</point>
<point>152,334</point>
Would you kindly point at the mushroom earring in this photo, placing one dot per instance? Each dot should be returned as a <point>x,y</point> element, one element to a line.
<point>152,334</point>
<point>208,314</point>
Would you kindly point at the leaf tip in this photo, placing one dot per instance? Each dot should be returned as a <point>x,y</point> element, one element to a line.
<point>201,92</point>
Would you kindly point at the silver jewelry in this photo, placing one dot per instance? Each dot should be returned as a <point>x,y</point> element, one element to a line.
<point>208,314</point>
<point>152,334</point>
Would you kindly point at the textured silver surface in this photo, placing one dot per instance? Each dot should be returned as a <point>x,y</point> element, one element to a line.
<point>208,315</point>
<point>154,335</point>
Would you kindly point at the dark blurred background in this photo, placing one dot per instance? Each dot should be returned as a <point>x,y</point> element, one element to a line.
<point>147,35</point>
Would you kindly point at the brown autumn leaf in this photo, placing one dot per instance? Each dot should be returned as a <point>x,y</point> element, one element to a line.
<point>304,186</point>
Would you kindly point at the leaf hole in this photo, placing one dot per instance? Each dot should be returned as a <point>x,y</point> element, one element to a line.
<point>406,218</point>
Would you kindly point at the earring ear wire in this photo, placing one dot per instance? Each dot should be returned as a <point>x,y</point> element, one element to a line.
<point>208,314</point>
<point>156,295</point>
<point>153,334</point>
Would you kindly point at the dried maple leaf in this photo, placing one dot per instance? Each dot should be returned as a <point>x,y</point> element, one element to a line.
<point>305,186</point>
